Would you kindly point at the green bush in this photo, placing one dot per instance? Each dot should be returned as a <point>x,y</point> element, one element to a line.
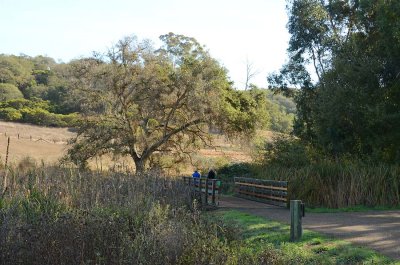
<point>288,152</point>
<point>41,117</point>
<point>25,103</point>
<point>10,114</point>
<point>333,182</point>
<point>9,91</point>
<point>282,123</point>
<point>37,91</point>
<point>69,119</point>
<point>235,170</point>
<point>35,111</point>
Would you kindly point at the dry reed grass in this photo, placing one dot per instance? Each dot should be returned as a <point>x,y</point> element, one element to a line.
<point>341,184</point>
<point>53,215</point>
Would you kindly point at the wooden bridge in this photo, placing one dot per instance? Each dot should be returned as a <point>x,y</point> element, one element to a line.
<point>266,191</point>
<point>208,189</point>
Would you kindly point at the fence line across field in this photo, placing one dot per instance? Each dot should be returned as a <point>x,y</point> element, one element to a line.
<point>21,136</point>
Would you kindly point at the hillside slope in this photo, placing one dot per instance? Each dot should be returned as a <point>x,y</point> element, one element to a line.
<point>40,143</point>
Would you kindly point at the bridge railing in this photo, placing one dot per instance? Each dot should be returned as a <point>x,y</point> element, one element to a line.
<point>209,189</point>
<point>267,191</point>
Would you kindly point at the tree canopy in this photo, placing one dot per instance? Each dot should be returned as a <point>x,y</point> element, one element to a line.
<point>139,100</point>
<point>348,102</point>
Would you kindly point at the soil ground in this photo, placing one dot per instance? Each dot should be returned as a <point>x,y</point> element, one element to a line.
<point>377,230</point>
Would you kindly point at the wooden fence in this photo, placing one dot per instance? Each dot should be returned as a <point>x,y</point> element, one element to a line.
<point>209,189</point>
<point>268,191</point>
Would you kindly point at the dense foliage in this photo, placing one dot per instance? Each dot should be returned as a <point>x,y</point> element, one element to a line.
<point>275,112</point>
<point>35,111</point>
<point>36,90</point>
<point>348,103</point>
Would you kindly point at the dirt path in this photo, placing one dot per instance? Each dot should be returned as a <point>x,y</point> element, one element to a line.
<point>378,230</point>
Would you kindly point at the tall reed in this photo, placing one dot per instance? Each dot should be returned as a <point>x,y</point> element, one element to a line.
<point>53,215</point>
<point>340,184</point>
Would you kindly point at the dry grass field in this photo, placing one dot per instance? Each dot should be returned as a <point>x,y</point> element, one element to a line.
<point>50,144</point>
<point>40,143</point>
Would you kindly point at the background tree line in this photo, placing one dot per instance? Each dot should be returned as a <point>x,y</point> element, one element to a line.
<point>36,90</point>
<point>41,85</point>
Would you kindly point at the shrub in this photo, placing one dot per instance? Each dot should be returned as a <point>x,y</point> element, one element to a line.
<point>235,170</point>
<point>333,182</point>
<point>37,91</point>
<point>35,111</point>
<point>43,117</point>
<point>288,152</point>
<point>9,91</point>
<point>25,103</point>
<point>39,116</point>
<point>10,114</point>
<point>69,120</point>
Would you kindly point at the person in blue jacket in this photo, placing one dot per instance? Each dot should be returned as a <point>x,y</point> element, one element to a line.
<point>196,174</point>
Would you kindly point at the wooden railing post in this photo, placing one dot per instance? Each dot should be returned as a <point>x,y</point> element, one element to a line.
<point>204,188</point>
<point>213,186</point>
<point>296,214</point>
<point>206,192</point>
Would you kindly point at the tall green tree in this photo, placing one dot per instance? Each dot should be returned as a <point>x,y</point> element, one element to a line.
<point>353,47</point>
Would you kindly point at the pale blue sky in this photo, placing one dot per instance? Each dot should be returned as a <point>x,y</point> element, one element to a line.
<point>233,30</point>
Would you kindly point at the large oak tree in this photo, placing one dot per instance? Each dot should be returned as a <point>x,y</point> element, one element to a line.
<point>139,100</point>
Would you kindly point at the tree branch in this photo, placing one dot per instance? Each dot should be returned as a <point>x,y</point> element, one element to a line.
<point>166,137</point>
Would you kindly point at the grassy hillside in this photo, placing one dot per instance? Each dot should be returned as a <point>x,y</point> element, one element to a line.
<point>40,143</point>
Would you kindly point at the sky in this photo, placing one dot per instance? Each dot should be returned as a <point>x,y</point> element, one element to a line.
<point>236,32</point>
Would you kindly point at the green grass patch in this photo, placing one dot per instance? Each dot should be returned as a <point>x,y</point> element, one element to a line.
<point>358,208</point>
<point>269,240</point>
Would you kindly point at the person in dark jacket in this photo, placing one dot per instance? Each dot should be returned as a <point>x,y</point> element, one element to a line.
<point>212,174</point>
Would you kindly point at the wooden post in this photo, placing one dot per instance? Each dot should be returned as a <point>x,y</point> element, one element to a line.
<point>213,192</point>
<point>296,229</point>
<point>8,151</point>
<point>5,166</point>
<point>206,192</point>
